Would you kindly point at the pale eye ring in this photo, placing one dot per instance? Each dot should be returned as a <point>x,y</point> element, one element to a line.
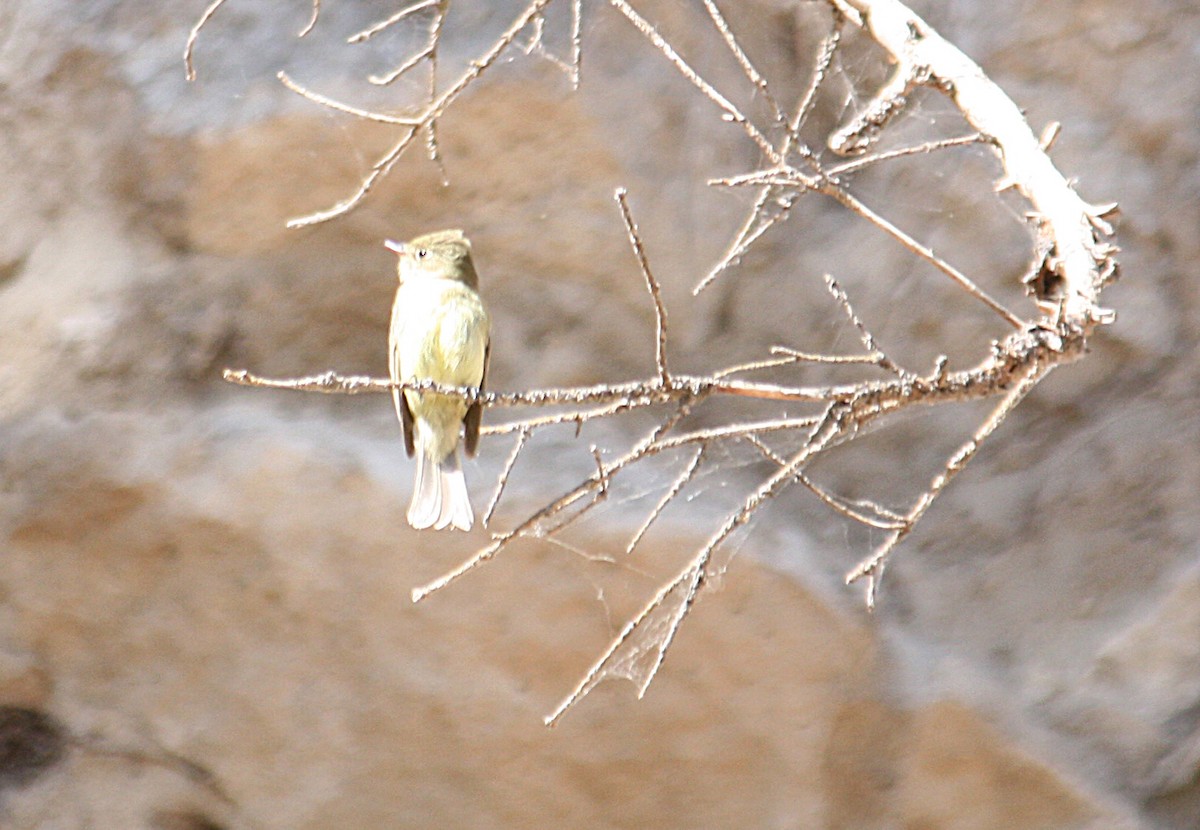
<point>422,253</point>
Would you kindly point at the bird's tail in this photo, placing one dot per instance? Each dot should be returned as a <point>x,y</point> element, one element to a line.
<point>440,497</point>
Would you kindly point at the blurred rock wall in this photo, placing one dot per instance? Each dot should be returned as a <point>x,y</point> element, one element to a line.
<point>204,590</point>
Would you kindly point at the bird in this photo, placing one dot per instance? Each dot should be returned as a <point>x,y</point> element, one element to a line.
<point>440,332</point>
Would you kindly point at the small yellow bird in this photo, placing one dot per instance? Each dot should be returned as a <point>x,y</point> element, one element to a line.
<point>440,331</point>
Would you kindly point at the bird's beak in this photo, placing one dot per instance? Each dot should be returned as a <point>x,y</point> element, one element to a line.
<point>394,246</point>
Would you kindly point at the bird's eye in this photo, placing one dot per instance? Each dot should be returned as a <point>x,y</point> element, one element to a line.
<point>422,253</point>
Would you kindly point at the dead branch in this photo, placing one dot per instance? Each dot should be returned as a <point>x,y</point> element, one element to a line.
<point>1080,258</point>
<point>1071,262</point>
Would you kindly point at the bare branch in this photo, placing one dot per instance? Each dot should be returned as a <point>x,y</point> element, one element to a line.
<point>426,119</point>
<point>754,365</point>
<point>1080,260</point>
<point>428,52</point>
<point>389,77</point>
<point>378,171</point>
<point>784,177</point>
<point>871,359</point>
<point>695,574</point>
<point>923,251</point>
<point>642,449</point>
<point>829,46</point>
<point>755,224</point>
<point>872,567</point>
<point>877,517</point>
<point>1071,262</point>
<point>923,148</point>
<point>990,377</point>
<point>578,417</point>
<point>740,430</point>
<point>576,42</point>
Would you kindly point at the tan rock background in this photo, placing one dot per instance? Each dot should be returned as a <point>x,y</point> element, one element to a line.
<point>204,612</point>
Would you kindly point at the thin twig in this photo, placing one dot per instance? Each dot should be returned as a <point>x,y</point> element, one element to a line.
<point>389,77</point>
<point>787,356</point>
<point>312,20</point>
<point>871,359</point>
<point>743,60</point>
<point>902,152</point>
<point>680,482</point>
<point>370,115</point>
<point>189,70</point>
<point>923,251</point>
<point>889,520</point>
<point>787,177</point>
<point>578,417</point>
<point>732,113</point>
<point>601,472</point>
<point>829,47</point>
<point>374,29</point>
<point>755,226</point>
<point>864,335</point>
<point>751,230</point>
<point>742,430</point>
<point>502,481</point>
<point>755,365</point>
<point>431,130</point>
<point>660,312</point>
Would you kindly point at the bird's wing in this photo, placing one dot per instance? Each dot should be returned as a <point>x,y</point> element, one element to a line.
<point>399,399</point>
<point>474,414</point>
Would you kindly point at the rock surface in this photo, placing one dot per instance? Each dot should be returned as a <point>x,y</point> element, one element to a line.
<point>204,592</point>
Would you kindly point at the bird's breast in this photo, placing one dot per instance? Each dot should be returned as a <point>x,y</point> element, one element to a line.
<point>440,330</point>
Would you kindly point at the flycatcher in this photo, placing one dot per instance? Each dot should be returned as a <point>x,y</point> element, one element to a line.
<point>440,332</point>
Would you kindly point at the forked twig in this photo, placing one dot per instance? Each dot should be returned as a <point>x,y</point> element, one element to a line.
<point>755,224</point>
<point>872,567</point>
<point>691,580</point>
<point>424,120</point>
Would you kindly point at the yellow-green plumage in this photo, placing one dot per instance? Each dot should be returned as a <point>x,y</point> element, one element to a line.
<point>439,332</point>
